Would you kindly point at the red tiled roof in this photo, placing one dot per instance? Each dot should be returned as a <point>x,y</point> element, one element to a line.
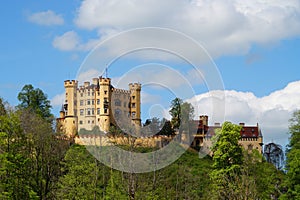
<point>246,131</point>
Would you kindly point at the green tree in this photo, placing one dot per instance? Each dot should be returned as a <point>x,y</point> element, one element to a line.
<point>15,168</point>
<point>166,128</point>
<point>175,112</point>
<point>293,159</point>
<point>46,150</point>
<point>228,158</point>
<point>182,116</point>
<point>2,107</point>
<point>82,177</point>
<point>227,153</point>
<point>36,101</point>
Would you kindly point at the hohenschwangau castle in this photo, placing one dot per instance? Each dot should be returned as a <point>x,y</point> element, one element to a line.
<point>100,104</point>
<point>91,105</point>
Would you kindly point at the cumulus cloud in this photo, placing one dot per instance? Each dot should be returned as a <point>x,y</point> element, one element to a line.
<point>272,112</point>
<point>58,100</point>
<point>223,27</point>
<point>68,41</point>
<point>46,18</point>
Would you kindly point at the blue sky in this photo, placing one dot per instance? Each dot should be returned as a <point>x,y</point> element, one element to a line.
<point>255,46</point>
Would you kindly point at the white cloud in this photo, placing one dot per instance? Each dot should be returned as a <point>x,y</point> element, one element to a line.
<point>58,100</point>
<point>87,76</point>
<point>66,42</point>
<point>46,18</point>
<point>224,27</point>
<point>272,112</point>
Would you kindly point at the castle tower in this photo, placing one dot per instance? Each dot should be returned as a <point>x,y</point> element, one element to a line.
<point>135,103</point>
<point>70,107</point>
<point>105,111</point>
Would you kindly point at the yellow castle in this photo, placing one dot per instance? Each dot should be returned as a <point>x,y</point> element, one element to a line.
<point>98,104</point>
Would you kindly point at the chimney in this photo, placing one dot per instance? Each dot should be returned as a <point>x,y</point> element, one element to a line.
<point>217,124</point>
<point>204,120</point>
<point>95,81</point>
<point>86,84</point>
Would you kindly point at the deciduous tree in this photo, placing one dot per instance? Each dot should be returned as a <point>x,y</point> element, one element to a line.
<point>293,159</point>
<point>35,100</point>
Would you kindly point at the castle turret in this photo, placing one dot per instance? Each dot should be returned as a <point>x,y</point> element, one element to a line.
<point>70,107</point>
<point>62,112</point>
<point>135,102</point>
<point>105,111</point>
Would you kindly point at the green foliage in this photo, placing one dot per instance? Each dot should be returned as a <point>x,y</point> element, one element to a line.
<point>30,155</point>
<point>82,178</point>
<point>2,107</point>
<point>292,183</point>
<point>175,112</point>
<point>228,158</point>
<point>15,163</point>
<point>226,149</point>
<point>36,101</point>
<point>182,115</point>
<point>155,126</point>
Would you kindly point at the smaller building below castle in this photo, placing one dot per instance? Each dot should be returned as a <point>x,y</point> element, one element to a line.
<point>251,136</point>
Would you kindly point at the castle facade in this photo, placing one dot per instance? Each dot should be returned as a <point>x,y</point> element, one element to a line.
<point>98,104</point>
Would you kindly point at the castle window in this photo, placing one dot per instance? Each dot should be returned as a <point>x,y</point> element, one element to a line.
<point>89,121</point>
<point>133,105</point>
<point>98,101</point>
<point>93,93</point>
<point>105,91</point>
<point>93,111</point>
<point>89,93</point>
<point>93,102</point>
<point>117,102</point>
<point>98,111</point>
<point>133,97</point>
<point>105,110</point>
<point>80,122</point>
<point>81,112</point>
<point>66,94</point>
<point>93,122</point>
<point>250,147</point>
<point>118,112</point>
<point>81,94</point>
<point>88,102</point>
<point>133,114</point>
<point>88,111</point>
<point>81,102</point>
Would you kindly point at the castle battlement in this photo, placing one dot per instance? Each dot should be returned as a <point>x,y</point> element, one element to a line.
<point>135,86</point>
<point>121,91</point>
<point>70,83</point>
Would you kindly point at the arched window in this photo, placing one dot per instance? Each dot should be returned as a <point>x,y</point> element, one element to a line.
<point>117,102</point>
<point>118,113</point>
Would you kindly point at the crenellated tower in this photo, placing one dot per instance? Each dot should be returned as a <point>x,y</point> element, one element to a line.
<point>135,102</point>
<point>70,107</point>
<point>105,111</point>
